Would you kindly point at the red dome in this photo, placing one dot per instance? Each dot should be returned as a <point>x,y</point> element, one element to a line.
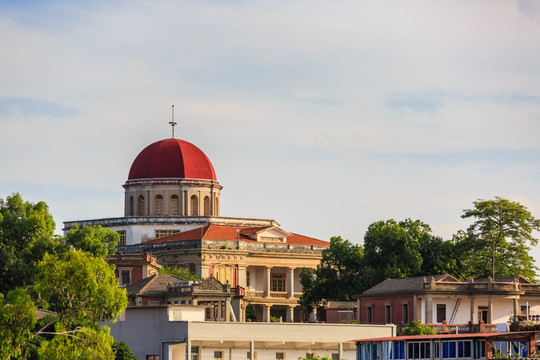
<point>172,158</point>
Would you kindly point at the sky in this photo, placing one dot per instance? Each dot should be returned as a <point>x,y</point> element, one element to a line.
<point>326,116</point>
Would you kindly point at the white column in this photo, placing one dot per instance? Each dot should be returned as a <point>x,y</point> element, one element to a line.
<point>429,309</point>
<point>490,311</point>
<point>266,310</point>
<point>267,284</point>
<point>472,317</point>
<point>251,350</point>
<point>290,314</point>
<point>291,283</point>
<point>228,310</point>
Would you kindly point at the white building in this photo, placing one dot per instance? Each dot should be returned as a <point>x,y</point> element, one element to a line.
<point>180,333</point>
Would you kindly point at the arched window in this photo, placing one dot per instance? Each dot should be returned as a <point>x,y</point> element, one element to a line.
<point>131,211</point>
<point>159,205</point>
<point>194,205</point>
<point>206,205</point>
<point>141,205</point>
<point>174,205</point>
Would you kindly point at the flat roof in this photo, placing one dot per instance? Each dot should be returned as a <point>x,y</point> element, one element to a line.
<point>486,335</point>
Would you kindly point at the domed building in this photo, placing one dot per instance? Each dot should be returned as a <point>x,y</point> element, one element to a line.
<point>172,211</point>
<point>172,177</point>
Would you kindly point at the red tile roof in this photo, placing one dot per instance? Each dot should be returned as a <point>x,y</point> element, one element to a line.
<point>231,233</point>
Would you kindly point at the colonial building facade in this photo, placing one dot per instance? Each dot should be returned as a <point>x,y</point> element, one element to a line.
<point>172,211</point>
<point>443,300</point>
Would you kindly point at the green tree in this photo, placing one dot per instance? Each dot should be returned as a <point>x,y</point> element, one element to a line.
<point>392,249</point>
<point>337,277</point>
<point>122,351</point>
<point>438,256</point>
<point>26,234</point>
<point>250,313</point>
<point>99,241</point>
<point>181,272</point>
<point>82,289</point>
<point>17,319</point>
<point>499,241</point>
<point>416,328</point>
<point>82,343</point>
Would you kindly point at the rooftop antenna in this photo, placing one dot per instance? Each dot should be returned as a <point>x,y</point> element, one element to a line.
<point>172,123</point>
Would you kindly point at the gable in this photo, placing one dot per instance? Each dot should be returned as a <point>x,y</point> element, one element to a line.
<point>272,235</point>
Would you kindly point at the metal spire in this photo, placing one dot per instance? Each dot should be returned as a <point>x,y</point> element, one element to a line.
<point>172,123</point>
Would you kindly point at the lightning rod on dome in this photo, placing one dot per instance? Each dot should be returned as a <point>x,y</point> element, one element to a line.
<point>172,123</point>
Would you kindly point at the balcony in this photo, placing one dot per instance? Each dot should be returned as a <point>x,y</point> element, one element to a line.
<point>279,294</point>
<point>253,293</point>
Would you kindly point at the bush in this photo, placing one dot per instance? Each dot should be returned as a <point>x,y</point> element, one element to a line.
<point>415,328</point>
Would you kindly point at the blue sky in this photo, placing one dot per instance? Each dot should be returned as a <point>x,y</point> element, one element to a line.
<point>326,116</point>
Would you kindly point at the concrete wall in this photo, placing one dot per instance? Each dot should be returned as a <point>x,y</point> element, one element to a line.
<point>145,328</point>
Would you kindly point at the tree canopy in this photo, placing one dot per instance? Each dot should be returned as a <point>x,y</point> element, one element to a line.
<point>337,277</point>
<point>99,241</point>
<point>83,290</point>
<point>40,270</point>
<point>498,242</point>
<point>181,272</point>
<point>26,234</point>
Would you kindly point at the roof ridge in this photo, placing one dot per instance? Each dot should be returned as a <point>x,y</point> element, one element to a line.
<point>152,279</point>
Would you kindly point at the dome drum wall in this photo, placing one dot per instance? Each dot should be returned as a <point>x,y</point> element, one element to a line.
<point>172,197</point>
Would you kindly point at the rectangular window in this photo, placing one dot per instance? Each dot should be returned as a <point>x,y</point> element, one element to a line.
<point>335,356</point>
<point>278,282</point>
<point>152,357</point>
<point>218,355</point>
<point>122,234</point>
<point>388,313</point>
<point>483,314</point>
<point>162,233</point>
<point>345,316</point>
<point>441,313</point>
<point>449,349</point>
<point>309,355</point>
<point>405,313</point>
<point>280,356</point>
<point>399,349</point>
<point>248,355</point>
<point>125,277</point>
<point>194,353</point>
<point>419,350</point>
<point>369,314</point>
<point>271,239</point>
<point>479,349</point>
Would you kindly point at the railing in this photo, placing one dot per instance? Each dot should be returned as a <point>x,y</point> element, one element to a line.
<point>297,294</point>
<point>279,294</point>
<point>253,293</point>
<point>445,328</point>
<point>431,284</point>
<point>239,290</point>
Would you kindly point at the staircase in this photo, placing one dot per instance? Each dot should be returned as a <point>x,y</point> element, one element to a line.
<point>454,312</point>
